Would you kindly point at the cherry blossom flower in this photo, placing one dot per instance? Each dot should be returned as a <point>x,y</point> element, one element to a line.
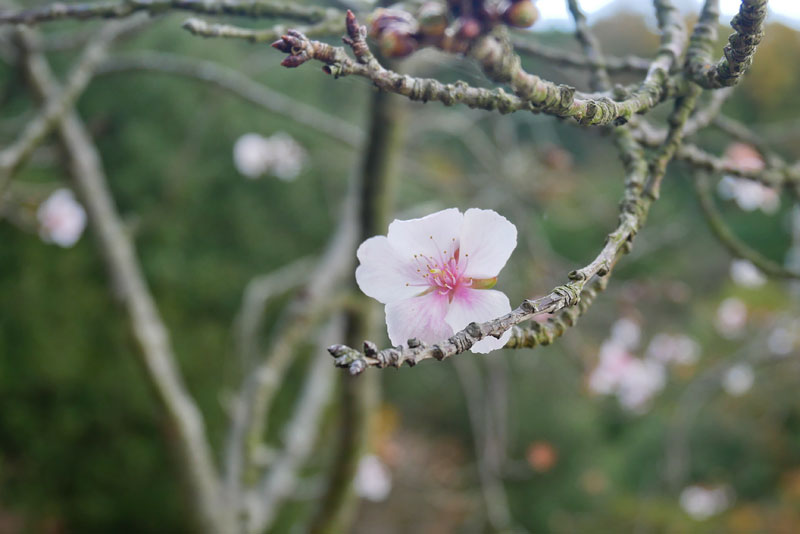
<point>749,195</point>
<point>62,219</point>
<point>782,339</point>
<point>673,348</point>
<point>731,318</point>
<point>614,362</point>
<point>626,332</point>
<point>702,503</point>
<point>434,274</point>
<point>373,480</point>
<point>745,274</point>
<point>279,155</point>
<point>633,380</point>
<point>738,379</point>
<point>640,384</point>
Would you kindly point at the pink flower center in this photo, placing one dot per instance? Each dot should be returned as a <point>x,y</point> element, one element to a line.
<point>444,275</point>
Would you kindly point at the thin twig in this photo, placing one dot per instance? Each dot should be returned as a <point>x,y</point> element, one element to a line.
<point>58,104</point>
<point>236,83</point>
<point>201,28</point>
<point>193,451</point>
<point>500,64</point>
<point>725,234</point>
<point>299,435</point>
<point>738,54</point>
<point>124,8</point>
<point>257,293</point>
<point>527,47</point>
<point>249,419</point>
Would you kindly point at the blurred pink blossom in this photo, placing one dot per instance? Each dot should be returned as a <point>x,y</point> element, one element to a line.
<point>673,348</point>
<point>702,503</point>
<point>373,479</point>
<point>279,155</point>
<point>62,219</point>
<point>745,274</point>
<point>633,380</point>
<point>738,379</point>
<point>731,318</point>
<point>748,194</point>
<point>434,274</point>
<point>626,332</point>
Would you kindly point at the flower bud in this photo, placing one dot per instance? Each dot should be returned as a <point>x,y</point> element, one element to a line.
<point>469,29</point>
<point>395,43</point>
<point>521,14</point>
<point>385,19</point>
<point>432,19</point>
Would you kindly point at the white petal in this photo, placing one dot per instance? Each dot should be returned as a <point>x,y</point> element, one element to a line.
<point>479,305</point>
<point>420,317</point>
<point>431,235</point>
<point>487,241</point>
<point>383,274</point>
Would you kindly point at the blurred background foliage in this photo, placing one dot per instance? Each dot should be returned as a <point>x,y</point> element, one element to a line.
<point>81,448</point>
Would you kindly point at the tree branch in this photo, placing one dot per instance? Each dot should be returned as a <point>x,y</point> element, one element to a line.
<point>723,232</point>
<point>124,8</point>
<point>330,26</point>
<point>185,420</point>
<point>58,103</point>
<point>251,409</point>
<point>299,436</point>
<point>496,56</point>
<point>566,58</point>
<point>238,84</point>
<point>748,27</point>
<point>500,63</point>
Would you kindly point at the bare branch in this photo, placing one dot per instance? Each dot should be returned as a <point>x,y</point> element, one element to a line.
<point>250,417</point>
<point>238,84</point>
<point>124,8</point>
<point>257,293</point>
<point>723,232</point>
<point>157,358</point>
<point>330,26</point>
<point>496,56</point>
<point>280,481</point>
<point>591,48</point>
<point>566,58</point>
<point>738,54</point>
<point>58,104</point>
<point>494,495</point>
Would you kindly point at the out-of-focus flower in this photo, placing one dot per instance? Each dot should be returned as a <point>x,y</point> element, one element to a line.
<point>738,379</point>
<point>745,274</point>
<point>62,219</point>
<point>626,333</point>
<point>286,156</point>
<point>731,318</point>
<point>541,456</point>
<point>782,340</point>
<point>669,348</point>
<point>613,363</point>
<point>633,380</point>
<point>373,480</point>
<point>749,195</point>
<point>434,274</point>
<point>248,155</point>
<point>702,503</point>
<point>640,384</point>
<point>279,155</point>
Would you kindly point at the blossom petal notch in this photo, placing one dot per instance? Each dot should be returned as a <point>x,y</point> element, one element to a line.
<point>434,274</point>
